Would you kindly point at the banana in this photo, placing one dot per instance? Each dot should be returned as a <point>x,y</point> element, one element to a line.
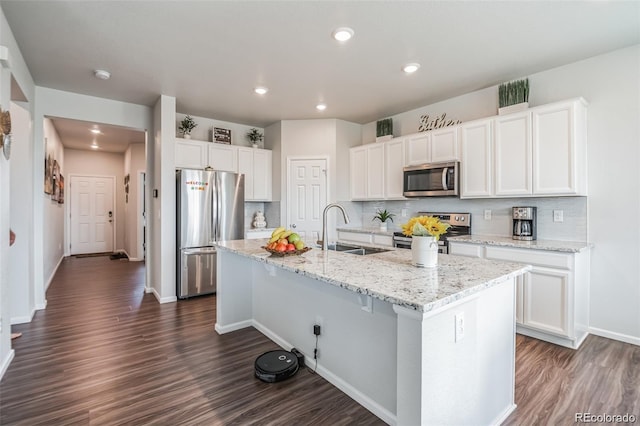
<point>285,234</point>
<point>275,236</point>
<point>277,231</point>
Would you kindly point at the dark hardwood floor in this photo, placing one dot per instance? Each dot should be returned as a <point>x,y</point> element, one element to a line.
<point>106,353</point>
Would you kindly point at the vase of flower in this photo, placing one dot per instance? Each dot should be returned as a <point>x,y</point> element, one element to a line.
<point>425,232</point>
<point>424,251</point>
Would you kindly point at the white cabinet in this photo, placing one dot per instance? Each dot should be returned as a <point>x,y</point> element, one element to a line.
<point>435,146</point>
<point>552,301</point>
<point>223,157</point>
<point>394,158</point>
<point>559,149</point>
<point>190,154</point>
<point>418,148</point>
<point>367,172</point>
<point>255,164</point>
<point>476,164</point>
<point>536,153</point>
<point>512,153</point>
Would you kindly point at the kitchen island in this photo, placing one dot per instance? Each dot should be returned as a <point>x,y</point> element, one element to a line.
<point>414,346</point>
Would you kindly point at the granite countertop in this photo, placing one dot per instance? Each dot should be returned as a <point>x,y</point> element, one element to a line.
<point>389,276</point>
<point>548,245</point>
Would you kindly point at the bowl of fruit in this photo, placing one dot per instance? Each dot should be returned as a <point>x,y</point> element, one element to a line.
<point>285,242</point>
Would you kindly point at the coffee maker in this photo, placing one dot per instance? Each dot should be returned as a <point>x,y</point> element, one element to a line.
<point>524,223</point>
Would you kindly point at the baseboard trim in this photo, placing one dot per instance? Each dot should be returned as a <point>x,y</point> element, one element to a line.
<point>41,306</point>
<point>615,336</point>
<point>148,289</point>
<point>506,413</point>
<point>53,274</point>
<point>547,337</point>
<point>223,329</point>
<point>5,362</point>
<point>381,412</point>
<point>162,300</point>
<point>21,320</point>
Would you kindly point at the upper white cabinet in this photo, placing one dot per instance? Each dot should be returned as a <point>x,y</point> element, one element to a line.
<point>512,147</point>
<point>559,149</point>
<point>190,154</point>
<point>476,176</point>
<point>536,153</point>
<point>367,172</point>
<point>223,157</point>
<point>394,161</point>
<point>435,146</point>
<point>255,164</point>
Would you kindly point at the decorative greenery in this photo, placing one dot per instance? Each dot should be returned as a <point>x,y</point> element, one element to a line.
<point>187,125</point>
<point>384,127</point>
<point>513,92</point>
<point>383,216</point>
<point>254,135</point>
<point>422,226</point>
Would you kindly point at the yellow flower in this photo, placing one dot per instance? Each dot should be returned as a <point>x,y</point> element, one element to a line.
<point>425,225</point>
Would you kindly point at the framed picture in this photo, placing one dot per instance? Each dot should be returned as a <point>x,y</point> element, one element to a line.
<point>48,168</point>
<point>221,135</point>
<point>61,185</point>
<point>55,178</point>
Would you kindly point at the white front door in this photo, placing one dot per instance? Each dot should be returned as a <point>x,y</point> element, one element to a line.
<point>92,214</point>
<point>307,197</point>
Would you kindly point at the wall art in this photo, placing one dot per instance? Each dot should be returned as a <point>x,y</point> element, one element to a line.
<point>436,123</point>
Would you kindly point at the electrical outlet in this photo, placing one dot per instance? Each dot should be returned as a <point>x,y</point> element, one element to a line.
<point>403,213</point>
<point>487,215</point>
<point>459,326</point>
<point>558,216</point>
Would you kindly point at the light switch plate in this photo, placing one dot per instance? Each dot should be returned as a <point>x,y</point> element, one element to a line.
<point>558,215</point>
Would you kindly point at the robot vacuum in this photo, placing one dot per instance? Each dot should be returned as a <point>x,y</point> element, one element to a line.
<point>275,366</point>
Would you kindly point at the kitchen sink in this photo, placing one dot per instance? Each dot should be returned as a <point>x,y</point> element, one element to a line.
<point>354,249</point>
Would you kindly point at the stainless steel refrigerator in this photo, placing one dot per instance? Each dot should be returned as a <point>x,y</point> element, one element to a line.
<point>210,208</point>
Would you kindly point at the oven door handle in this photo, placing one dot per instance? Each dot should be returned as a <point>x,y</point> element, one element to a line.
<point>444,178</point>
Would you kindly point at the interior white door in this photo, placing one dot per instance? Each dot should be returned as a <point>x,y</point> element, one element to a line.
<point>92,214</point>
<point>307,197</point>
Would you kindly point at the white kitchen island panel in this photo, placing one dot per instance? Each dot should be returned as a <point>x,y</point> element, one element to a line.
<point>399,360</point>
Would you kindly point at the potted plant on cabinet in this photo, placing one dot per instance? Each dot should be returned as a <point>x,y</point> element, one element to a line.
<point>186,126</point>
<point>254,136</point>
<point>383,216</point>
<point>513,96</point>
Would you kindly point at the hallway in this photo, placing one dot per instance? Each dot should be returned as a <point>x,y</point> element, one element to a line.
<point>104,352</point>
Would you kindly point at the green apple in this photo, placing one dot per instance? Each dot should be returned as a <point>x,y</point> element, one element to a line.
<point>293,238</point>
<point>299,244</point>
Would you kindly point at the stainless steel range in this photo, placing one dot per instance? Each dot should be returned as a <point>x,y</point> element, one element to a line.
<point>460,225</point>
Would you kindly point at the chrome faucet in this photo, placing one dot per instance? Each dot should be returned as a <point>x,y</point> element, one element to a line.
<point>324,243</point>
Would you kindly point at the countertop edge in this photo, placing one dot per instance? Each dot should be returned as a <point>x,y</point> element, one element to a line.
<point>542,245</point>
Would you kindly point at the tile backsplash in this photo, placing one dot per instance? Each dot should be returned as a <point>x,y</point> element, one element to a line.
<point>573,227</point>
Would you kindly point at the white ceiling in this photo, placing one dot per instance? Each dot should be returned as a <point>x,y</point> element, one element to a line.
<point>76,134</point>
<point>210,55</point>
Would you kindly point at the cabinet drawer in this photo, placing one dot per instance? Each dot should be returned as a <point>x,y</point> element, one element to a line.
<point>354,236</point>
<point>532,257</point>
<point>383,240</point>
<point>470,250</point>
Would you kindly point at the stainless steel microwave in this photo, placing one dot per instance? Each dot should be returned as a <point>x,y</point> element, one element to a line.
<point>432,180</point>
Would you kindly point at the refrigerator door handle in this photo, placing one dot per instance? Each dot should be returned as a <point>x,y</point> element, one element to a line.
<point>214,210</point>
<point>218,208</point>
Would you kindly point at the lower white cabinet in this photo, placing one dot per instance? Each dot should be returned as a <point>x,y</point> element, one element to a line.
<point>552,301</point>
<point>365,238</point>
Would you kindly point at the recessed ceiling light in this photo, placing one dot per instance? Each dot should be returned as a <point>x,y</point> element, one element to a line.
<point>94,146</point>
<point>95,131</point>
<point>342,34</point>
<point>411,68</point>
<point>260,90</point>
<point>321,107</point>
<point>102,74</point>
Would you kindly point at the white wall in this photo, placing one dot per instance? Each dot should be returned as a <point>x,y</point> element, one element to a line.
<point>22,302</point>
<point>19,71</point>
<point>96,163</point>
<point>53,212</point>
<point>611,85</point>
<point>134,163</point>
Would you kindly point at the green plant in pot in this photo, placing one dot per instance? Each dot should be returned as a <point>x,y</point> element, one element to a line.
<point>186,126</point>
<point>383,216</point>
<point>254,136</point>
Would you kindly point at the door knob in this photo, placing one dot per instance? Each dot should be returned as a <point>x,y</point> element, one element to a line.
<point>293,225</point>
